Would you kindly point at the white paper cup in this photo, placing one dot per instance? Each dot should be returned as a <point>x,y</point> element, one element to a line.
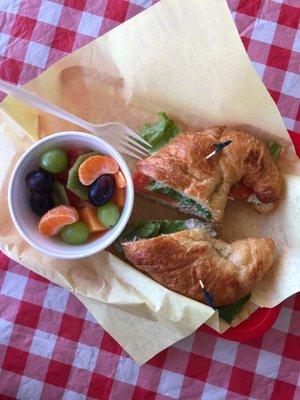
<point>27,222</point>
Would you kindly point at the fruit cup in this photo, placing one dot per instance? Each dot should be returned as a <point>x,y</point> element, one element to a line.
<point>27,222</point>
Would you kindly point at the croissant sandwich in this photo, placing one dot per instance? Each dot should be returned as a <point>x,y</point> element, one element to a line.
<point>185,257</point>
<point>180,174</point>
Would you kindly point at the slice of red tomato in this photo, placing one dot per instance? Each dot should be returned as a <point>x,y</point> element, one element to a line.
<point>240,191</point>
<point>140,180</point>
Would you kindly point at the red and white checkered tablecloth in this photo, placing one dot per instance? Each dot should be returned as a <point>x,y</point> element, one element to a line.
<point>50,346</point>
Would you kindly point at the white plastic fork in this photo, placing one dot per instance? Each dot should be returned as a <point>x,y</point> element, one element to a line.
<point>120,136</point>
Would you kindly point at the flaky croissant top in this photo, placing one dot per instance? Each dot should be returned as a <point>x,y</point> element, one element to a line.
<point>182,166</point>
<point>178,261</point>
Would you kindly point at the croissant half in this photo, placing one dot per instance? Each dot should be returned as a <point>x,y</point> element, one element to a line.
<point>229,271</point>
<point>182,166</point>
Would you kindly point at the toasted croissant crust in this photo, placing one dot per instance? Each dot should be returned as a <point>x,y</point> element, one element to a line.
<point>229,271</point>
<point>182,166</point>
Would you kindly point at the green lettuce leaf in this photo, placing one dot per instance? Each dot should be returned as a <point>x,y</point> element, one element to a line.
<point>155,186</point>
<point>172,226</point>
<point>231,310</point>
<point>275,150</point>
<point>182,200</point>
<point>159,134</point>
<point>149,229</point>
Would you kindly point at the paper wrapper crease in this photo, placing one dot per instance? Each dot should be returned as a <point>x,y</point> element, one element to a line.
<point>185,58</point>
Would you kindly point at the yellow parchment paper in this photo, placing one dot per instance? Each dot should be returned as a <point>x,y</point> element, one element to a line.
<point>185,58</point>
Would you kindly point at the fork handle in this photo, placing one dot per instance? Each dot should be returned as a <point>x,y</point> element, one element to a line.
<point>44,105</point>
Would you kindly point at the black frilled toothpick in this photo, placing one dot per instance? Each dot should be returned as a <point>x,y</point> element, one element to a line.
<point>218,148</point>
<point>207,296</point>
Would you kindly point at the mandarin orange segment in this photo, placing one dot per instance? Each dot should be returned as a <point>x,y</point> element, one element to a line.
<point>56,218</point>
<point>95,166</point>
<point>120,179</point>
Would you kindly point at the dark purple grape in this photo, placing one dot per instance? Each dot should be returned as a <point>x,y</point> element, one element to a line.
<point>101,190</point>
<point>39,180</point>
<point>41,202</point>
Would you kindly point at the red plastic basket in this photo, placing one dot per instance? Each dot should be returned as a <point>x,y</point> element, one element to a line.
<point>252,328</point>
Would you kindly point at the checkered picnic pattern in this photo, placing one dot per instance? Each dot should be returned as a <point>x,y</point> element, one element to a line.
<point>50,346</point>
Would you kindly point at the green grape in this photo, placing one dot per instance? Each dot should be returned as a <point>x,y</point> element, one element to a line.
<point>108,214</point>
<point>54,161</point>
<point>76,233</point>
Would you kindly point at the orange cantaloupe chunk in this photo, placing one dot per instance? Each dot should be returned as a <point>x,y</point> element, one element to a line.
<point>89,216</point>
<point>119,197</point>
<point>120,179</point>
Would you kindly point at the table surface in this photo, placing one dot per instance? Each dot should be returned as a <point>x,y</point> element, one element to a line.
<point>50,346</point>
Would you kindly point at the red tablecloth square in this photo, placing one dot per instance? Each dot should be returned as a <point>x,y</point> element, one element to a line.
<point>279,57</point>
<point>63,39</point>
<point>77,4</point>
<point>116,10</point>
<point>292,347</point>
<point>241,381</point>
<point>58,373</point>
<point>159,359</point>
<point>249,7</point>
<point>28,314</point>
<point>289,16</point>
<point>274,94</point>
<point>246,41</point>
<point>36,277</point>
<point>4,261</point>
<point>100,387</point>
<point>71,327</point>
<point>198,367</point>
<point>15,360</point>
<point>23,27</point>
<point>10,69</point>
<point>282,390</point>
<point>109,344</point>
<point>143,394</point>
